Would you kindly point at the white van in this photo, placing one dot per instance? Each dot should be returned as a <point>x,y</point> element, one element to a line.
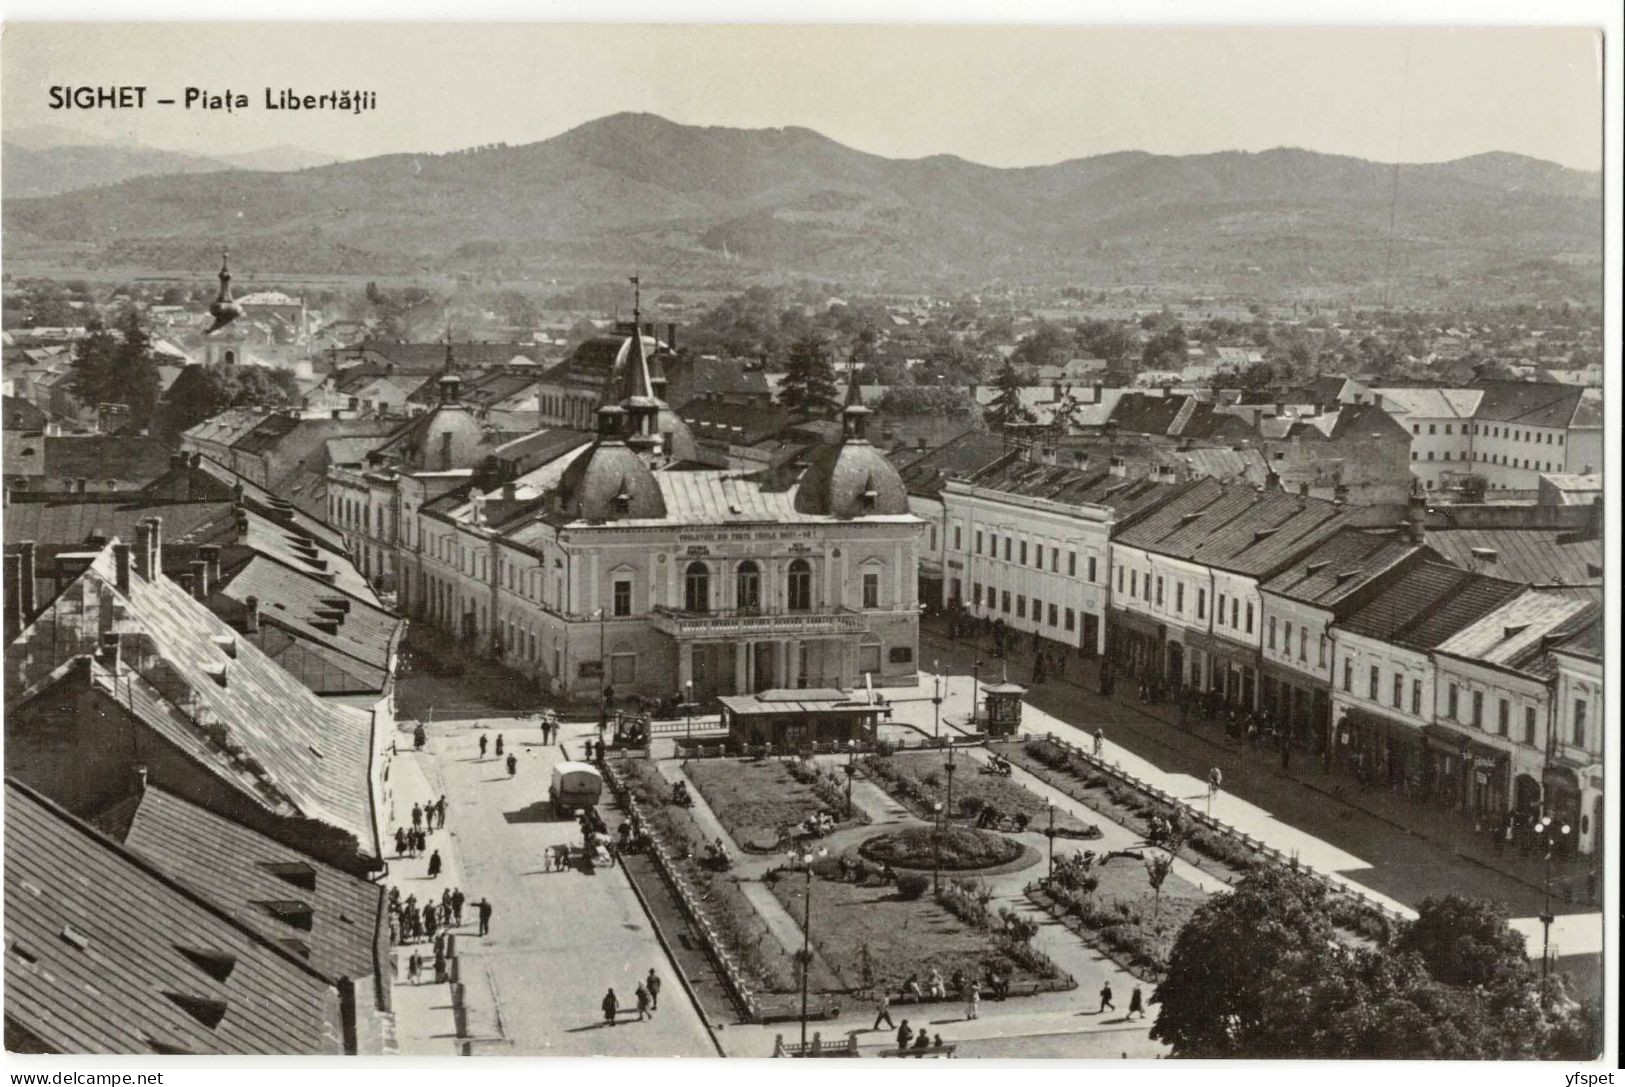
<point>575,786</point>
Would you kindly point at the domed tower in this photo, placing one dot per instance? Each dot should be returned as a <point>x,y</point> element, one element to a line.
<point>610,481</point>
<point>852,479</point>
<point>653,429</point>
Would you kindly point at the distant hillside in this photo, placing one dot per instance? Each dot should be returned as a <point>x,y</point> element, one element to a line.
<point>46,171</point>
<point>634,190</point>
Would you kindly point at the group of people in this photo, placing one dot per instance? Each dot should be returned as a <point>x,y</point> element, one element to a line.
<point>647,997</point>
<point>549,722</point>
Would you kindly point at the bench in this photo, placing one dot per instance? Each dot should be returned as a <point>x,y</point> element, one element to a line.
<point>938,1051</point>
<point>815,1048</point>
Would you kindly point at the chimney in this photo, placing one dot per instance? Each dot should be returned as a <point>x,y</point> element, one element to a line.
<point>1100,391</point>
<point>121,564</point>
<point>143,548</point>
<point>671,336</point>
<point>509,492</point>
<point>1340,494</point>
<point>157,547</point>
<point>26,554</point>
<point>141,779</point>
<point>210,554</point>
<point>177,460</point>
<point>237,492</point>
<point>109,651</point>
<point>14,595</point>
<point>79,485</point>
<point>1272,480</point>
<point>1303,489</point>
<point>251,615</point>
<point>1416,511</point>
<point>197,460</point>
<point>240,522</point>
<point>185,582</point>
<point>1117,467</point>
<point>1376,400</point>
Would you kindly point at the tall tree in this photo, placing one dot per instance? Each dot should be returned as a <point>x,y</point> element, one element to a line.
<point>1006,407</point>
<point>808,390</point>
<point>116,369</point>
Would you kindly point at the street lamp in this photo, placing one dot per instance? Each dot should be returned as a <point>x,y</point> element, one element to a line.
<point>975,683</point>
<point>950,767</point>
<point>806,938</point>
<point>851,772</point>
<point>936,702</point>
<point>1550,837</point>
<point>936,852</point>
<point>688,709</point>
<point>1050,834</point>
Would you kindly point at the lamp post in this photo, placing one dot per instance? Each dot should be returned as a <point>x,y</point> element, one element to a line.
<point>851,772</point>
<point>936,703</point>
<point>975,684</point>
<point>688,709</point>
<point>1550,836</point>
<point>936,852</point>
<point>948,812</point>
<point>806,938</point>
<point>1050,834</point>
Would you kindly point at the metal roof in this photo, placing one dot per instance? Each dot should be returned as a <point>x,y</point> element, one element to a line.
<point>1338,566</point>
<point>106,954</point>
<point>1542,557</point>
<point>1427,603</point>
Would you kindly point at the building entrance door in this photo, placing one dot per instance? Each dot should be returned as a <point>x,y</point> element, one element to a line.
<point>764,666</point>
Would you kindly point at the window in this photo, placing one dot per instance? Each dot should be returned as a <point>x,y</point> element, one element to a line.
<point>1023,553</point>
<point>1503,716</point>
<point>871,590</point>
<point>1004,601</point>
<point>1219,617</point>
<point>1021,606</point>
<point>1007,549</point>
<point>1433,428</point>
<point>748,586</point>
<point>869,658</point>
<point>1478,709</point>
<point>1416,428</point>
<point>1579,722</point>
<point>1054,615</point>
<point>933,537</point>
<point>1372,689</point>
<point>1201,603</point>
<point>1348,675</point>
<point>978,541</point>
<point>623,598</point>
<point>1272,632</point>
<point>1179,598</point>
<point>1303,646</point>
<point>958,545</point>
<point>1091,569</point>
<point>1452,701</point>
<point>1054,560</point>
<point>993,545</point>
<point>1072,565</point>
<point>976,593</point>
<point>1529,725</point>
<point>1447,428</point>
<point>1399,690</point>
<point>1071,619</point>
<point>800,586</point>
<point>1134,583</point>
<point>1416,697</point>
<point>1233,604</point>
<point>1119,579</point>
<point>1159,590</point>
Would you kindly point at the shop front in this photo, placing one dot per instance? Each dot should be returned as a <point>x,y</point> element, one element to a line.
<point>1299,704</point>
<point>1135,644</point>
<point>1376,749</point>
<point>1467,775</point>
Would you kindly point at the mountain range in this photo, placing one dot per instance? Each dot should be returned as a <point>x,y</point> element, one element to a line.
<point>44,160</point>
<point>636,190</point>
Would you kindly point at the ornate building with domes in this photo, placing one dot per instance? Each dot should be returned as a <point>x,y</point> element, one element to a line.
<point>619,565</point>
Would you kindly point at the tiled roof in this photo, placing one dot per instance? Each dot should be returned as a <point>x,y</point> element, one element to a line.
<point>1342,563</point>
<point>104,456</point>
<point>104,954</point>
<point>1428,603</point>
<point>1430,403</point>
<point>724,497</point>
<point>1014,474</point>
<point>1536,404</point>
<point>323,915</point>
<point>267,434</point>
<point>1514,634</point>
<point>71,519</point>
<point>426,358</point>
<point>964,456</point>
<point>260,500</point>
<point>736,424</point>
<point>1586,638</point>
<point>228,426</point>
<point>299,550</point>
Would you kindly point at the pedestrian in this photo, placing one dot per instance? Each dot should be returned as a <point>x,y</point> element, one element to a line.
<point>1100,740</point>
<point>414,967</point>
<point>429,920</point>
<point>610,1006</point>
<point>938,991</point>
<point>485,916</point>
<point>445,907</point>
<point>1106,998</point>
<point>1136,1003</point>
<point>457,901</point>
<point>417,816</point>
<point>419,738</point>
<point>440,968</point>
<point>643,1003</point>
<point>434,865</point>
<point>440,811</point>
<point>882,1010</point>
<point>973,1003</point>
<point>904,1033</point>
<point>400,841</point>
<point>423,841</point>
<point>499,755</point>
<point>513,766</point>
<point>482,745</point>
<point>652,983</point>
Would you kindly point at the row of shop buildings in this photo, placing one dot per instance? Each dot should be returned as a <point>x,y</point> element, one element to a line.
<point>1359,645</point>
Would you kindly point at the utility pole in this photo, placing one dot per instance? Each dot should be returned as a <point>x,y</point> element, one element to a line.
<point>1051,835</point>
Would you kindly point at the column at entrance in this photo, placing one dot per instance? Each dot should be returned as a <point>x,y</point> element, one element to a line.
<point>685,666</point>
<point>742,682</point>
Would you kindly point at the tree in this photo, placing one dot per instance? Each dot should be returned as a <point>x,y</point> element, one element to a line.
<point>214,389</point>
<point>927,400</point>
<point>1108,340</point>
<point>808,390</point>
<point>1466,941</point>
<point>1044,346</point>
<point>1007,408</point>
<point>116,369</point>
<point>1165,350</point>
<point>1157,867</point>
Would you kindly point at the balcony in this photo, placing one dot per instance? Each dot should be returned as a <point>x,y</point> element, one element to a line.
<point>758,623</point>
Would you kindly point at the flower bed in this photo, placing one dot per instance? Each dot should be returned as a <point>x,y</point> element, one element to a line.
<point>919,780</point>
<point>1116,911</point>
<point>757,801</point>
<point>958,849</point>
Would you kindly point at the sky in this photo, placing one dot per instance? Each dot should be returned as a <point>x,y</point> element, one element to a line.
<point>1005,96</point>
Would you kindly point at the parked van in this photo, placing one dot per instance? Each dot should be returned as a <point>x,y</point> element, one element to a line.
<point>575,786</point>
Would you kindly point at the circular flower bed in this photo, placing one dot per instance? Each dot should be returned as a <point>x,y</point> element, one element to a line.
<point>956,849</point>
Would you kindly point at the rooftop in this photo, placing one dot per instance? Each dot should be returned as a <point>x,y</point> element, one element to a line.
<point>1427,603</point>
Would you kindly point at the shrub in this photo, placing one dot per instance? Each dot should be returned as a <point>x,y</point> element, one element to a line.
<point>912,885</point>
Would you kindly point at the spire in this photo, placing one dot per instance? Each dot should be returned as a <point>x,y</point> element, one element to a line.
<point>225,277</point>
<point>637,391</point>
<point>451,360</point>
<point>854,417</point>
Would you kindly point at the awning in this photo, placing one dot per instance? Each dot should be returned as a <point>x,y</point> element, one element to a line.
<point>1139,624</point>
<point>1451,742</point>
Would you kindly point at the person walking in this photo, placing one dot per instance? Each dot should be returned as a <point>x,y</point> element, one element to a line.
<point>417,816</point>
<point>414,967</point>
<point>419,738</point>
<point>400,841</point>
<point>652,982</point>
<point>513,766</point>
<point>434,865</point>
<point>1136,1003</point>
<point>1100,740</point>
<point>429,920</point>
<point>610,1006</point>
<point>483,742</point>
<point>499,755</point>
<point>1106,998</point>
<point>973,1002</point>
<point>484,906</point>
<point>643,1003</point>
<point>457,901</point>
<point>882,1010</point>
<point>904,1034</point>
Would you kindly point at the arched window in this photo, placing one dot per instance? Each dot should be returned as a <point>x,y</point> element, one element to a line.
<point>697,587</point>
<point>748,584</point>
<point>800,586</point>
